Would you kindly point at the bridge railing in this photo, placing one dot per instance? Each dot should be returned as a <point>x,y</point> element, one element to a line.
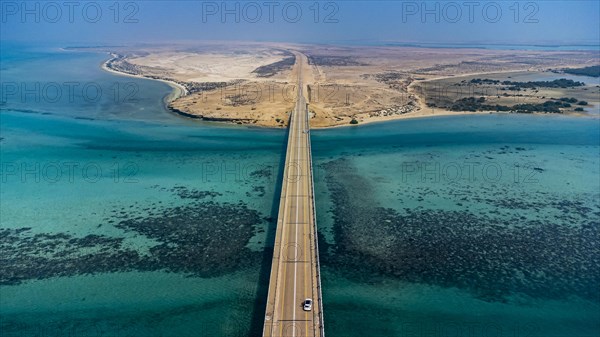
<point>315,238</point>
<point>277,244</point>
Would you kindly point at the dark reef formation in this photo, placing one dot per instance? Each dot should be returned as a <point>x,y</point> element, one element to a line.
<point>489,255</point>
<point>201,238</point>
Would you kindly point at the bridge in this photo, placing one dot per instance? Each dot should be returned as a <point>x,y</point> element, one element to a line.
<point>295,271</point>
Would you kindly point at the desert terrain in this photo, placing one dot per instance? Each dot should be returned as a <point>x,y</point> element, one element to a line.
<point>252,83</point>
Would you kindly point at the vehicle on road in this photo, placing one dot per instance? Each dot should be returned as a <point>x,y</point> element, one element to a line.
<point>307,304</point>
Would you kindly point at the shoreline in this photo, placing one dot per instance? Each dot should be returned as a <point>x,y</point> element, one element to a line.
<point>428,112</point>
<point>453,114</point>
<point>180,91</point>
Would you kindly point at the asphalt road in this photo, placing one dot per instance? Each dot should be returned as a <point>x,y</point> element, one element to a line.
<point>294,273</point>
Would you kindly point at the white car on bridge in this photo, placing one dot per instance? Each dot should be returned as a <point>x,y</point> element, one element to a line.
<point>307,304</point>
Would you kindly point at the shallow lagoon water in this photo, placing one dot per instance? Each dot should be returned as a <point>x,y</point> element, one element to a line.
<point>158,225</point>
<point>461,226</point>
<point>98,207</point>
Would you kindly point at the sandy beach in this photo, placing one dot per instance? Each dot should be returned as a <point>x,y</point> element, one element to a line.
<point>178,89</point>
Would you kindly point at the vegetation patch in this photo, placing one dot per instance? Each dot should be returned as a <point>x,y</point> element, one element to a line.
<point>592,71</point>
<point>272,69</point>
<point>479,104</point>
<point>333,61</point>
<point>517,86</point>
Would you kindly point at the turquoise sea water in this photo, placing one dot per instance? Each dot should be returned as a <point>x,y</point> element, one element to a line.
<point>129,221</point>
<point>120,219</point>
<point>471,226</point>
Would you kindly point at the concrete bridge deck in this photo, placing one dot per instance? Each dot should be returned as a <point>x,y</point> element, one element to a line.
<point>295,271</point>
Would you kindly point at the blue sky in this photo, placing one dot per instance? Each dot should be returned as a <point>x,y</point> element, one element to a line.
<point>530,22</point>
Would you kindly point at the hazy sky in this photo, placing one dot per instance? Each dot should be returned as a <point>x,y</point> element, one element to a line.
<point>529,22</point>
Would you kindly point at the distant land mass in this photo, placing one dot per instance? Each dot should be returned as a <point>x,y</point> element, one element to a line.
<point>252,83</point>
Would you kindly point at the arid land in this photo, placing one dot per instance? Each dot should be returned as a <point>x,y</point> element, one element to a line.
<point>253,83</point>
